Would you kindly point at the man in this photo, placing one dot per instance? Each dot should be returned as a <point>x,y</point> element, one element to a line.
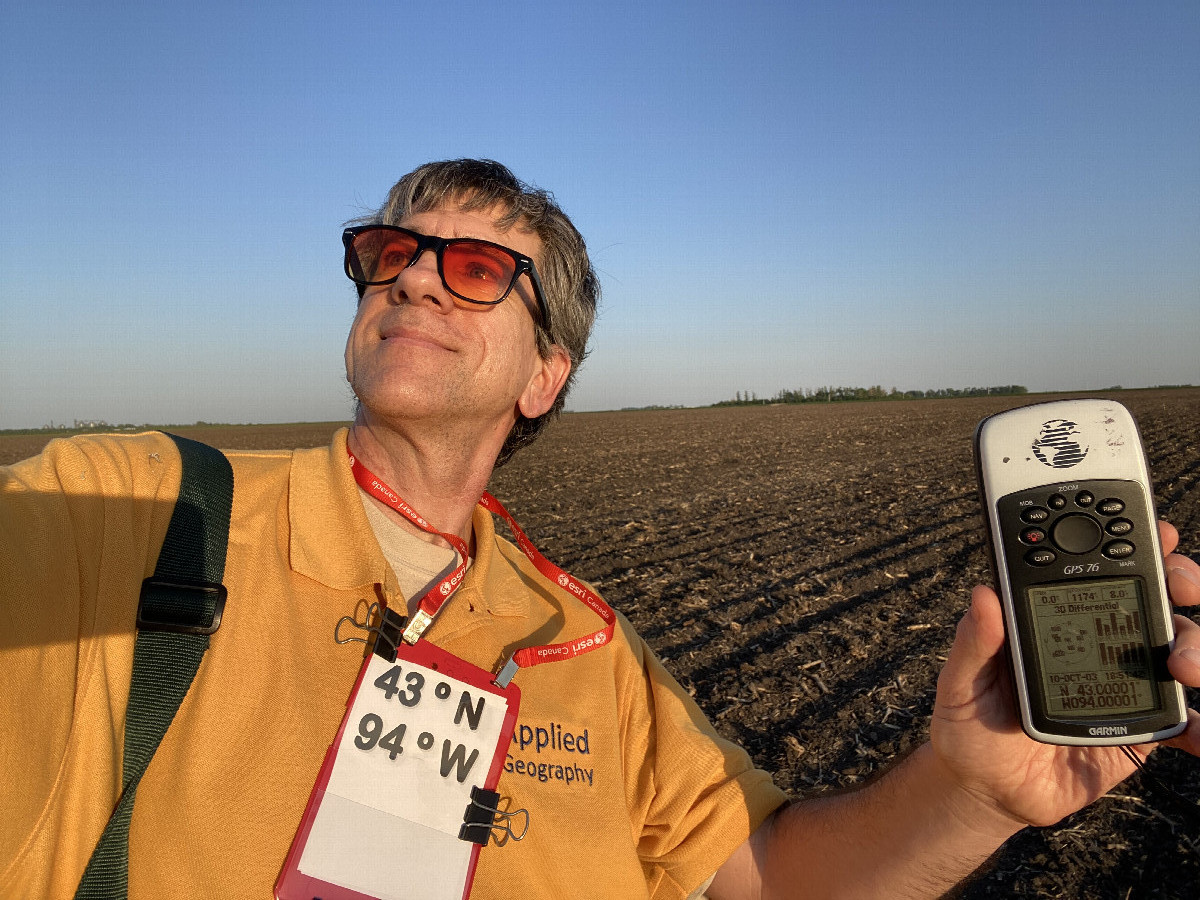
<point>473,315</point>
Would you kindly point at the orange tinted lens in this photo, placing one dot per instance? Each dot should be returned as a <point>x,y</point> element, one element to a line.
<point>478,271</point>
<point>380,255</point>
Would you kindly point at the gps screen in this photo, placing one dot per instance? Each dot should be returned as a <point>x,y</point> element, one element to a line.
<point>1094,649</point>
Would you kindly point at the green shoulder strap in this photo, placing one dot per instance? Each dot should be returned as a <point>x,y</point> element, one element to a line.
<point>180,606</point>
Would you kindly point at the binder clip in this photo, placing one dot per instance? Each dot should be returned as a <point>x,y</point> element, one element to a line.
<point>387,636</point>
<point>483,815</point>
<point>386,633</point>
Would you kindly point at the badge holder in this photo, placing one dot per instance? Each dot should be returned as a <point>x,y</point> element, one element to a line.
<point>396,811</point>
<point>404,799</point>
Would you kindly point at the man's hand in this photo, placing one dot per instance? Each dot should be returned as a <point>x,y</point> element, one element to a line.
<point>977,735</point>
<point>929,821</point>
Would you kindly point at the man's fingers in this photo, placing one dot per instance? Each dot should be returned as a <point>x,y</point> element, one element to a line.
<point>1184,661</point>
<point>1183,574</point>
<point>970,668</point>
<point>1189,741</point>
<point>987,620</point>
<point>1183,583</point>
<point>1168,535</point>
<point>1183,580</point>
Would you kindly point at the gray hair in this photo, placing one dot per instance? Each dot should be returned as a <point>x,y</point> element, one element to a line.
<point>572,288</point>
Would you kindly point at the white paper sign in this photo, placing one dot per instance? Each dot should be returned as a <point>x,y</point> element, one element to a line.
<point>416,741</point>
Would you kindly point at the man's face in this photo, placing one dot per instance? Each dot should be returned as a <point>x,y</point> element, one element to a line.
<point>415,353</point>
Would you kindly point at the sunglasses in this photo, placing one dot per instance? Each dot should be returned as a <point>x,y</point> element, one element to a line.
<point>472,270</point>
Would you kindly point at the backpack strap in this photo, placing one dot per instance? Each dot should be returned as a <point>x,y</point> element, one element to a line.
<point>180,606</point>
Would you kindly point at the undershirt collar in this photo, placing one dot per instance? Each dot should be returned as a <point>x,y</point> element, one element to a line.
<point>416,563</point>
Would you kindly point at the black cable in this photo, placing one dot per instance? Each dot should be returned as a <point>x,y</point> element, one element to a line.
<point>1181,804</point>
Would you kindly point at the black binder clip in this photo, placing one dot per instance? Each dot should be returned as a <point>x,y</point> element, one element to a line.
<point>483,815</point>
<point>387,636</point>
<point>387,632</point>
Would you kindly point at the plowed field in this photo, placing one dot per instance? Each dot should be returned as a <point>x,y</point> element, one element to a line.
<point>801,570</point>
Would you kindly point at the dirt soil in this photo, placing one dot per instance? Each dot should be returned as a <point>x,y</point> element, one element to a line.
<point>801,570</point>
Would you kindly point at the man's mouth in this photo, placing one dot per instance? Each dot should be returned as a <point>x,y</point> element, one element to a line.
<point>418,337</point>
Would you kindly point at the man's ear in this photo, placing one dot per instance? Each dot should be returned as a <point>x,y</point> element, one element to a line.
<point>548,379</point>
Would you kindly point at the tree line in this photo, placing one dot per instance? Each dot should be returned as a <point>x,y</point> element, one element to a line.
<point>832,394</point>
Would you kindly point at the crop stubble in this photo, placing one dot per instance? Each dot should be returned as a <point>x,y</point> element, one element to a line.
<point>801,570</point>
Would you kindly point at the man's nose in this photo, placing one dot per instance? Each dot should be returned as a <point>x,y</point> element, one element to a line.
<point>420,282</point>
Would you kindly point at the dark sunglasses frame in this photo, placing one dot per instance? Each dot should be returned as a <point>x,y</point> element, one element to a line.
<point>524,265</point>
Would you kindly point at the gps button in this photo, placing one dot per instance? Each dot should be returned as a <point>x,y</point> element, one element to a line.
<point>1118,549</point>
<point>1040,556</point>
<point>1077,533</point>
<point>1032,536</point>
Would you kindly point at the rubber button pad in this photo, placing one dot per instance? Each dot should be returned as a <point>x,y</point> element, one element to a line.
<point>1075,524</point>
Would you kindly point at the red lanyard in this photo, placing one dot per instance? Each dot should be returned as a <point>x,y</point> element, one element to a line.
<point>433,599</point>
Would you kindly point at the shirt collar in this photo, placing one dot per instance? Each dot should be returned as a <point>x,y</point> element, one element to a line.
<point>331,540</point>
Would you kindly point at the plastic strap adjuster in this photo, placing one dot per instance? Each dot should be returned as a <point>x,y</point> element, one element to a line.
<point>180,605</point>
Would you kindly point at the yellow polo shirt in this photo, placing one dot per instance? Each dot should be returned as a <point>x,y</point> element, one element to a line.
<point>654,801</point>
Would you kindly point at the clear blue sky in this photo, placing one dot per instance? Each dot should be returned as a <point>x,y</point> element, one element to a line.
<point>776,196</point>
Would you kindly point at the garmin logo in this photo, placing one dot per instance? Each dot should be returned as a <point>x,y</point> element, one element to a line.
<point>1058,446</point>
<point>1108,730</point>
